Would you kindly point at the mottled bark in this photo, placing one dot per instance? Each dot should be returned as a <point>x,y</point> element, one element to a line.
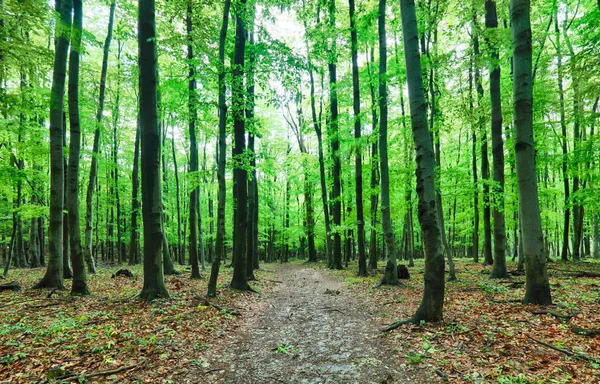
<point>54,272</point>
<point>89,218</point>
<point>79,286</point>
<point>154,284</point>
<point>537,287</point>
<point>499,262</point>
<point>221,148</point>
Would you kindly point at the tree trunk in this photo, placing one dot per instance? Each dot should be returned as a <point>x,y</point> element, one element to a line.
<point>335,143</point>
<point>374,168</point>
<point>390,276</point>
<point>194,179</point>
<point>89,218</point>
<point>134,243</point>
<point>251,247</point>
<point>499,262</point>
<point>431,305</point>
<point>79,286</point>
<point>360,220</point>
<point>54,273</point>
<point>537,287</point>
<point>154,284</point>
<point>67,273</point>
<point>221,153</point>
<point>240,177</point>
<point>115,165</point>
<point>475,249</point>
<point>564,254</point>
<point>177,200</point>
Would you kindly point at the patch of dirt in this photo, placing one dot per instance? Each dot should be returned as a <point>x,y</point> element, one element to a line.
<point>309,329</point>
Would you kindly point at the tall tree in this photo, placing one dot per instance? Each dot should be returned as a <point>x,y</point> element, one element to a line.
<point>240,177</point>
<point>79,286</point>
<point>251,246</point>
<point>194,179</point>
<point>89,218</point>
<point>499,263</point>
<point>537,287</point>
<point>54,272</point>
<point>134,239</point>
<point>221,148</point>
<point>390,276</point>
<point>334,137</point>
<point>360,219</point>
<point>154,283</point>
<point>374,166</point>
<point>431,306</point>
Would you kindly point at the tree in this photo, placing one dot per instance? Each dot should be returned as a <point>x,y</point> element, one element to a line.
<point>360,219</point>
<point>537,287</point>
<point>194,179</point>
<point>431,307</point>
<point>499,264</point>
<point>54,272</point>
<point>221,148</point>
<point>390,276</point>
<point>154,284</point>
<point>89,218</point>
<point>79,286</point>
<point>240,177</point>
<point>334,137</point>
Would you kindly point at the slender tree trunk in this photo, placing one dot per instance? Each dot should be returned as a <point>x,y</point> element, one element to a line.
<point>374,167</point>
<point>360,220</point>
<point>177,200</point>
<point>220,238</point>
<point>431,306</point>
<point>537,287</point>
<point>251,247</point>
<point>194,179</point>
<point>475,248</point>
<point>335,143</point>
<point>390,276</point>
<point>499,262</point>
<point>79,286</point>
<point>67,272</point>
<point>240,279</point>
<point>154,283</point>
<point>115,165</point>
<point>54,273</point>
<point>89,218</point>
<point>134,242</point>
<point>564,255</point>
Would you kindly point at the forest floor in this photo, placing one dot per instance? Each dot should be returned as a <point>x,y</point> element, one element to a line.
<point>307,325</point>
<point>309,329</point>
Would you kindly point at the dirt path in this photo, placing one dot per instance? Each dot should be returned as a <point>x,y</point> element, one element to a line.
<point>310,330</point>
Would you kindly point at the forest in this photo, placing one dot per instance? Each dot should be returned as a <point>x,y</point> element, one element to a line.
<point>299,191</point>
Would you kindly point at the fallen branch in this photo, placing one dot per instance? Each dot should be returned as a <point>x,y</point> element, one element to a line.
<point>560,316</point>
<point>333,309</point>
<point>74,377</point>
<point>565,351</point>
<point>211,370</point>
<point>585,331</point>
<point>207,303</point>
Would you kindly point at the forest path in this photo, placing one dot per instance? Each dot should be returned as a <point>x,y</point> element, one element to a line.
<point>309,330</point>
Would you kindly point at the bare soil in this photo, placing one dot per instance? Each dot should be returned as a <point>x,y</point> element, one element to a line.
<point>309,329</point>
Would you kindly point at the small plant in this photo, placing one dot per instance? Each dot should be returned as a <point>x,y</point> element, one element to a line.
<point>414,358</point>
<point>284,348</point>
<point>519,379</point>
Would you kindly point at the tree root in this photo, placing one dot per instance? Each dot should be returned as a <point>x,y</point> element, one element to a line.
<point>566,351</point>
<point>560,316</point>
<point>397,324</point>
<point>75,377</point>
